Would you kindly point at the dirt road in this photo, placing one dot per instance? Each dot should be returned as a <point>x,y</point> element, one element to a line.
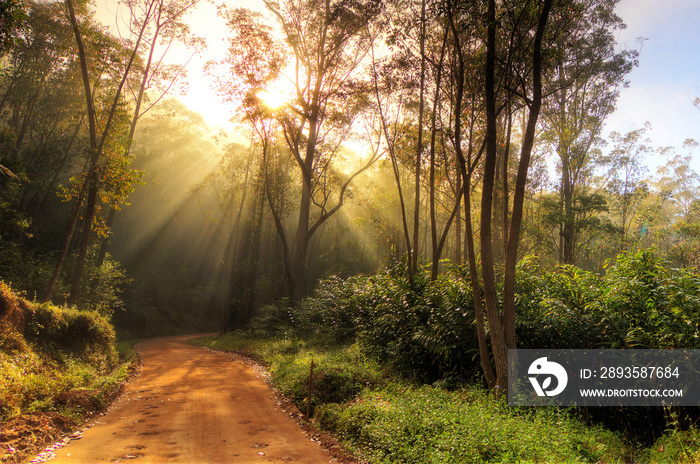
<point>190,405</point>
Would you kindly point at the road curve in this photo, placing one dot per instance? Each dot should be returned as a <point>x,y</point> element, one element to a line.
<point>190,405</point>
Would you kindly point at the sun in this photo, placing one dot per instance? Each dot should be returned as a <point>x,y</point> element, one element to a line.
<point>272,98</point>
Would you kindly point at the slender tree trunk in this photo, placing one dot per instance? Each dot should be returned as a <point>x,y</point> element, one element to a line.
<point>95,146</point>
<point>498,343</point>
<point>504,180</point>
<point>477,293</point>
<point>419,147</point>
<point>298,282</point>
<point>254,271</point>
<point>68,237</point>
<point>397,175</point>
<point>49,189</point>
<point>233,251</point>
<point>519,193</point>
<point>465,173</point>
<point>84,242</point>
<point>436,250</point>
<point>458,220</point>
<point>568,220</point>
<point>29,113</point>
<point>102,254</point>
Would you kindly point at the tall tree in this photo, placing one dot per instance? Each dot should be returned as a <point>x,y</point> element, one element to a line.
<point>627,185</point>
<point>529,20</point>
<point>97,136</point>
<point>584,85</point>
<point>468,108</point>
<point>326,41</point>
<point>151,22</point>
<point>678,179</point>
<point>153,77</point>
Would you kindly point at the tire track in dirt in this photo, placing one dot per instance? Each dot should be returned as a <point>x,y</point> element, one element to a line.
<point>189,405</point>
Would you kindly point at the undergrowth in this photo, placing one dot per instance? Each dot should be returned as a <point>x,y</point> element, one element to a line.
<point>424,424</point>
<point>55,359</point>
<point>398,375</point>
<point>387,419</point>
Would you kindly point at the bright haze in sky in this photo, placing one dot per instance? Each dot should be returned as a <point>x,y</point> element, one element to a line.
<point>661,89</point>
<point>667,82</point>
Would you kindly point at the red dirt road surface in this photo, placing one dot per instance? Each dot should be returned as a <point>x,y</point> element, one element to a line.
<point>190,405</point>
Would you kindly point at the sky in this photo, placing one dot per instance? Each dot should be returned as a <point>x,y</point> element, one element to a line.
<point>661,89</point>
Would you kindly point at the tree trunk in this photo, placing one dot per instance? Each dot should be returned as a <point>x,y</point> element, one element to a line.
<point>568,226</point>
<point>458,220</point>
<point>436,250</point>
<point>519,193</point>
<point>498,344</point>
<point>465,172</point>
<point>68,237</point>
<point>298,282</point>
<point>84,242</point>
<point>397,174</point>
<point>419,147</point>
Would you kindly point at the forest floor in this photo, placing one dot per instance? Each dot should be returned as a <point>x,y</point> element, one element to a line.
<point>191,405</point>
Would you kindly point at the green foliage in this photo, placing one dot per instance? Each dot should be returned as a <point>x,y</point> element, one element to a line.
<point>429,425</point>
<point>676,447</point>
<point>639,303</point>
<point>425,328</point>
<point>648,305</point>
<point>62,350</point>
<point>553,307</point>
<point>422,328</point>
<point>103,292</point>
<point>12,15</point>
<point>70,333</point>
<point>32,380</point>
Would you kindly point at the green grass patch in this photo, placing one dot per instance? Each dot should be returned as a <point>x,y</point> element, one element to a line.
<point>430,425</point>
<point>235,342</point>
<point>32,380</point>
<point>676,447</point>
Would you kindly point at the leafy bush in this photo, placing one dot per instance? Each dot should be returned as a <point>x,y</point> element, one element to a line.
<point>639,303</point>
<point>553,308</point>
<point>45,350</point>
<point>425,328</point>
<point>103,288</point>
<point>339,375</point>
<point>422,328</point>
<point>275,320</point>
<point>647,305</point>
<point>73,333</point>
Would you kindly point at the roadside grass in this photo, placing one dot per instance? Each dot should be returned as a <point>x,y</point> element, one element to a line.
<point>56,359</point>
<point>339,373</point>
<point>675,447</point>
<point>45,396</point>
<point>384,418</point>
<point>33,379</point>
<point>424,424</point>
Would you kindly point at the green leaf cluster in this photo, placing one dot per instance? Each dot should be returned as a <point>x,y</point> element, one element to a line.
<point>46,350</point>
<point>639,303</point>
